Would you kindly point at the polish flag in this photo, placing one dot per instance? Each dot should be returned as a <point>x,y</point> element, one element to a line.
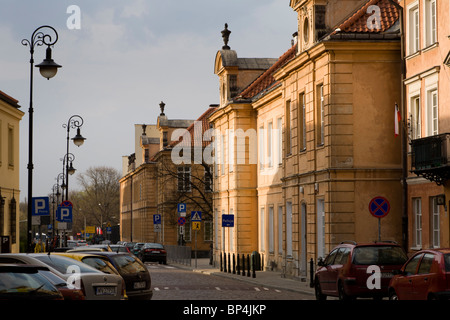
<point>397,119</point>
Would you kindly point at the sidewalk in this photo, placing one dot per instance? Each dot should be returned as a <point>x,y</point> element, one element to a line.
<point>267,279</point>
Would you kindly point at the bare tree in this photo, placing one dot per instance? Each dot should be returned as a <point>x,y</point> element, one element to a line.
<point>98,199</point>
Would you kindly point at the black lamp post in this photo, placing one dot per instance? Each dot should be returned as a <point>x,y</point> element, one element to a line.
<point>48,69</point>
<point>75,121</point>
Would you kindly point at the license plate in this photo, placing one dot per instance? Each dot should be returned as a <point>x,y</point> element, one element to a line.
<point>156,251</point>
<point>105,291</point>
<point>139,285</point>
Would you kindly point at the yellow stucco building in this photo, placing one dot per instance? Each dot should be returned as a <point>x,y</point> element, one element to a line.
<point>10,117</point>
<point>313,136</point>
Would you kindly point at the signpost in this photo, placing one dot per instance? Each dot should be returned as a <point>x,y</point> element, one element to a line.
<point>157,223</point>
<point>64,216</point>
<point>379,207</point>
<point>196,218</point>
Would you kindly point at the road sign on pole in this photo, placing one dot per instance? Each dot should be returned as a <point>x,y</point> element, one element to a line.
<point>181,221</point>
<point>40,206</point>
<point>156,219</point>
<point>181,209</point>
<point>228,220</point>
<point>196,216</point>
<point>379,207</point>
<point>64,214</point>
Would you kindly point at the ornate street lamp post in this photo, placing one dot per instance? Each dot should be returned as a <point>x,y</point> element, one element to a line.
<point>48,69</point>
<point>75,121</point>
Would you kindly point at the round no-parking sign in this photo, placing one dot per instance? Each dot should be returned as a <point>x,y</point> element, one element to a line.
<point>379,207</point>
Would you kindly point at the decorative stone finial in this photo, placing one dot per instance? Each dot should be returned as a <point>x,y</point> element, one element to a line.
<point>161,106</point>
<point>226,37</point>
<point>144,127</point>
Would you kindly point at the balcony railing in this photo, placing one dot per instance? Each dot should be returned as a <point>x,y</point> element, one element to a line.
<point>431,157</point>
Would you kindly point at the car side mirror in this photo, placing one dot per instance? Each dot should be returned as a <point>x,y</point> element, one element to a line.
<point>320,262</point>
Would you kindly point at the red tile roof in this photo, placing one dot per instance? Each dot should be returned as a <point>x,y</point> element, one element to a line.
<point>266,81</point>
<point>363,22</point>
<point>197,130</point>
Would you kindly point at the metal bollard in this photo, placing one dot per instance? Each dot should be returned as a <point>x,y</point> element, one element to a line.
<point>243,265</point>
<point>229,262</point>
<point>224,262</point>
<point>248,265</point>
<point>238,266</point>
<point>254,266</point>
<point>221,267</point>
<point>311,273</point>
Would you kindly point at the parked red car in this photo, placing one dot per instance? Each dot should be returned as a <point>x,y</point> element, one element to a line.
<point>344,273</point>
<point>425,276</point>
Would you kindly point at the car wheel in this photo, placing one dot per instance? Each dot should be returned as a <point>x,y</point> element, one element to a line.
<point>319,295</point>
<point>341,292</point>
<point>393,295</point>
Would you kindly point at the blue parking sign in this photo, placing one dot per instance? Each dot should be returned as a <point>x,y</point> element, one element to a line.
<point>64,214</point>
<point>40,206</point>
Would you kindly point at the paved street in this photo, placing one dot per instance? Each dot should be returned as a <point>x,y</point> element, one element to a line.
<point>208,282</point>
<point>175,282</point>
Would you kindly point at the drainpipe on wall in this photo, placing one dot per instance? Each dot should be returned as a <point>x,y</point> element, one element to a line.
<point>404,137</point>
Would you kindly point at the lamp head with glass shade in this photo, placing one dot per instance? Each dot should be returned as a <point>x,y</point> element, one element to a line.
<point>71,169</point>
<point>78,140</point>
<point>48,68</point>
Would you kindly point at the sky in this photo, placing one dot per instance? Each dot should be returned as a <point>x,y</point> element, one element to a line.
<point>120,59</point>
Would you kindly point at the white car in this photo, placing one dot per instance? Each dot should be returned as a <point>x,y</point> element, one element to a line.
<point>95,284</point>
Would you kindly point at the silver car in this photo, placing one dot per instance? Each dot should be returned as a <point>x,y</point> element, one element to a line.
<point>95,284</point>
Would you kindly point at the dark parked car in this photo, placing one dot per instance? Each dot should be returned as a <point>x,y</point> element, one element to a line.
<point>133,271</point>
<point>344,272</point>
<point>25,282</point>
<point>425,276</point>
<point>153,252</point>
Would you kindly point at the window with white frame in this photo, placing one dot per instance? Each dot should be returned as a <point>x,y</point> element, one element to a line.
<point>270,145</point>
<point>320,115</point>
<point>280,229</point>
<point>430,22</point>
<point>280,140</point>
<point>208,180</point>
<point>271,230</point>
<point>432,112</point>
<point>302,122</point>
<point>320,228</point>
<point>184,179</point>
<point>417,212</point>
<point>416,130</point>
<point>413,28</point>
<point>261,148</point>
<point>262,229</point>
<point>434,223</point>
<point>289,229</point>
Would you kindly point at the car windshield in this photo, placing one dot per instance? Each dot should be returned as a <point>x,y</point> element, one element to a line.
<point>379,255</point>
<point>24,283</point>
<point>100,264</point>
<point>154,246</point>
<point>65,265</point>
<point>128,264</point>
<point>447,262</point>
